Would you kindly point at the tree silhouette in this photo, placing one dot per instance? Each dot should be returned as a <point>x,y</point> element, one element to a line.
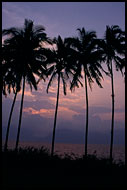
<point>9,84</point>
<point>88,59</point>
<point>60,67</point>
<point>113,46</point>
<point>23,47</point>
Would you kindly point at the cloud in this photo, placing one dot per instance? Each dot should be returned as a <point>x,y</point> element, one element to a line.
<point>38,123</point>
<point>27,93</point>
<point>46,45</point>
<point>108,81</point>
<point>63,112</point>
<point>42,112</point>
<point>99,117</point>
<point>78,137</point>
<point>40,129</point>
<point>39,104</point>
<point>108,116</point>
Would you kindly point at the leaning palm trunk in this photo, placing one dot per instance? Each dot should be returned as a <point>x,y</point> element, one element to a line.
<point>54,128</point>
<point>9,121</point>
<point>112,124</point>
<point>20,116</point>
<point>86,134</point>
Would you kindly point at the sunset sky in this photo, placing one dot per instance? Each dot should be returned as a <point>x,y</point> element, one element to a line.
<point>63,18</point>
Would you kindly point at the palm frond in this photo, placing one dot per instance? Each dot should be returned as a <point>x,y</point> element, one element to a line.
<point>76,79</point>
<point>11,31</point>
<point>51,80</point>
<point>31,79</point>
<point>119,63</point>
<point>64,83</point>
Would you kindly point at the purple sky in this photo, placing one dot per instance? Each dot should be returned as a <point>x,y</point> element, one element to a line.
<point>63,19</point>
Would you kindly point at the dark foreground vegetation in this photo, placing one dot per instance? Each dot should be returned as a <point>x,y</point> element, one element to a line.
<point>36,169</point>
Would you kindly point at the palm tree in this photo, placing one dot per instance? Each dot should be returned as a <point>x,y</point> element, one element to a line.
<point>8,83</point>
<point>88,61</point>
<point>113,46</point>
<point>61,68</point>
<point>25,57</point>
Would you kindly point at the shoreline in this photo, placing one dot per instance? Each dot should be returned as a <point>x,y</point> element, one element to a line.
<point>78,149</point>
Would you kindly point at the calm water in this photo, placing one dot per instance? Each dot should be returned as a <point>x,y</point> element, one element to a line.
<point>78,149</point>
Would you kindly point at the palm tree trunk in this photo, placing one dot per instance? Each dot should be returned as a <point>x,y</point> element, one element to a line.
<point>112,124</point>
<point>54,128</point>
<point>20,116</point>
<point>9,121</point>
<point>86,134</point>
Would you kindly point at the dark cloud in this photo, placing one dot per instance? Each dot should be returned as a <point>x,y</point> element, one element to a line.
<point>40,94</point>
<point>32,128</point>
<point>78,137</point>
<point>95,109</point>
<point>39,104</point>
<point>39,128</point>
<point>67,135</point>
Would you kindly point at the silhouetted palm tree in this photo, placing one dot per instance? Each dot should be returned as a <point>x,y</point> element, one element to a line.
<point>113,46</point>
<point>25,57</point>
<point>62,68</point>
<point>88,61</point>
<point>9,82</point>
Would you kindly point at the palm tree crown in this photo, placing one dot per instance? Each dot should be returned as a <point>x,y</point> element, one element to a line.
<point>113,46</point>
<point>61,62</point>
<point>88,57</point>
<point>22,53</point>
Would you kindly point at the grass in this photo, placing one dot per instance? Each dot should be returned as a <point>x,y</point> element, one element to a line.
<point>35,168</point>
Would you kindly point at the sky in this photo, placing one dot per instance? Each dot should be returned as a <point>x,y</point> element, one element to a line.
<point>63,18</point>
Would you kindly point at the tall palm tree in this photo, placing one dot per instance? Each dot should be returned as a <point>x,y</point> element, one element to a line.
<point>9,82</point>
<point>113,46</point>
<point>60,67</point>
<point>25,57</point>
<point>88,62</point>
